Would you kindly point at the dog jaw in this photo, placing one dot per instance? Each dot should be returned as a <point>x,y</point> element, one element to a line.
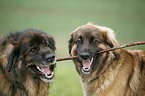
<point>48,74</point>
<point>87,66</point>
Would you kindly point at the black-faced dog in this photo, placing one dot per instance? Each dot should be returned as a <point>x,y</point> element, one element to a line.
<point>115,73</point>
<point>27,63</point>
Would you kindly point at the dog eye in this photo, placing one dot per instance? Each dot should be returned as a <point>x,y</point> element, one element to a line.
<point>95,41</point>
<point>78,41</point>
<point>33,49</point>
<point>46,43</point>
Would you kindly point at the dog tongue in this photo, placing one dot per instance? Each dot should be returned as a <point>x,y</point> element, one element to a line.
<point>86,63</point>
<point>45,70</point>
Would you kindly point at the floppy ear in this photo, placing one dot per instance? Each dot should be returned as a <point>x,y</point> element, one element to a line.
<point>108,41</point>
<point>109,37</point>
<point>70,44</point>
<point>12,59</point>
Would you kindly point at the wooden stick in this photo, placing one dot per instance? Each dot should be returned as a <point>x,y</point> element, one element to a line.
<point>106,50</point>
<point>66,58</point>
<point>123,46</point>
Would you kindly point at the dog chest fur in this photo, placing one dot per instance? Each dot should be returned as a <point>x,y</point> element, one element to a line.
<point>113,82</point>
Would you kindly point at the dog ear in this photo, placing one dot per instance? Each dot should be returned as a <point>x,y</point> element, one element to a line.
<point>12,59</point>
<point>70,44</point>
<point>108,42</point>
<point>14,62</point>
<point>109,37</point>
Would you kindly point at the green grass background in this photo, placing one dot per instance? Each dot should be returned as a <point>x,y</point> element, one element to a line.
<point>60,17</point>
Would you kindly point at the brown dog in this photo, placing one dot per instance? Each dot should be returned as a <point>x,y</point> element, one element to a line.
<point>115,73</point>
<point>27,62</point>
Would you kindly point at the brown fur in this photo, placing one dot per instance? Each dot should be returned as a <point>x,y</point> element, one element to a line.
<point>124,70</point>
<point>15,78</point>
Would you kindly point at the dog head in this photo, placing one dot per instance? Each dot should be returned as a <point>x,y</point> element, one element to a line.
<point>32,52</point>
<point>86,41</point>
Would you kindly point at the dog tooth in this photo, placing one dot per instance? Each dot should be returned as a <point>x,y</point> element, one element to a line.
<point>38,68</point>
<point>46,75</point>
<point>91,61</point>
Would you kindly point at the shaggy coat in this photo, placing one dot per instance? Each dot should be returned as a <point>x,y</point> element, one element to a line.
<point>115,73</point>
<point>25,63</point>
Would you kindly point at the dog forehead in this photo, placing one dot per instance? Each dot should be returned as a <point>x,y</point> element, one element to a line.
<point>88,32</point>
<point>34,35</point>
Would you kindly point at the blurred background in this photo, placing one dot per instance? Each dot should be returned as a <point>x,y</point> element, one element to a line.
<point>60,17</point>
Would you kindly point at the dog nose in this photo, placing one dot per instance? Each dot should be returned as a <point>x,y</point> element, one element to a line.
<point>50,58</point>
<point>85,55</point>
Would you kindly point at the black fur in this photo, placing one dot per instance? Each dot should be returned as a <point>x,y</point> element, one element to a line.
<point>70,44</point>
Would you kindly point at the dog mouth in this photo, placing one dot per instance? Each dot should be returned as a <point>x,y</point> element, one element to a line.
<point>86,65</point>
<point>44,72</point>
<point>47,73</point>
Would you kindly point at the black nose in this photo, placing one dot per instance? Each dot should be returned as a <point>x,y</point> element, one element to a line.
<point>85,55</point>
<point>50,58</point>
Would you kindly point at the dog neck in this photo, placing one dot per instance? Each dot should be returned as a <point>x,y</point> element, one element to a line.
<point>29,87</point>
<point>98,83</point>
<point>36,87</point>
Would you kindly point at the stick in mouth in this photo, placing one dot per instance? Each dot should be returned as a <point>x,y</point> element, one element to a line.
<point>106,50</point>
<point>87,66</point>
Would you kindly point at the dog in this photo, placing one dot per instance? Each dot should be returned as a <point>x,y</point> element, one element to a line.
<point>115,73</point>
<point>27,63</point>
